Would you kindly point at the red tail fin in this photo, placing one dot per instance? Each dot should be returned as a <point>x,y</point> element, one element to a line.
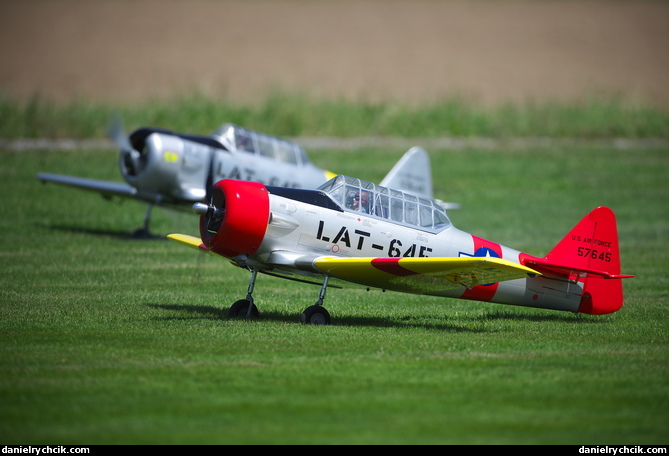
<point>589,254</point>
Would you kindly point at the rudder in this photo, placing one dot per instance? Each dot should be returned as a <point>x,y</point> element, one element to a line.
<point>411,173</point>
<point>590,254</point>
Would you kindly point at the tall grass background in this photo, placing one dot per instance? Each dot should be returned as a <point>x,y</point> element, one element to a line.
<point>296,114</point>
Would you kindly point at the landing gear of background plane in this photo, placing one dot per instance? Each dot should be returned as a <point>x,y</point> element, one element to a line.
<point>317,314</point>
<point>144,233</point>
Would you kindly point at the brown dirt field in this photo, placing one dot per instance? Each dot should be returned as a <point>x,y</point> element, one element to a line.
<point>418,50</point>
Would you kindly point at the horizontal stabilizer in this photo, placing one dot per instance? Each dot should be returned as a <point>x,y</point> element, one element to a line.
<point>568,271</point>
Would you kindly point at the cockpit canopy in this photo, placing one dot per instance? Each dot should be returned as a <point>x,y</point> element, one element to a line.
<point>360,196</point>
<point>242,139</point>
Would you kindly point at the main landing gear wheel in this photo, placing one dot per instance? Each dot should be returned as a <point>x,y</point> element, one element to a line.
<point>245,307</point>
<point>315,315</point>
<point>241,309</point>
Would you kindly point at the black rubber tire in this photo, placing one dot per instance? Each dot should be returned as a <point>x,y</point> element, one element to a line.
<point>241,309</point>
<point>315,315</point>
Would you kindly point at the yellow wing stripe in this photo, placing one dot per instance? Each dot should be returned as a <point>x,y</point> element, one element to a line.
<point>423,275</point>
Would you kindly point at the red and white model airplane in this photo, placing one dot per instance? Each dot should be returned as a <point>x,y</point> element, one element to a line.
<point>374,236</point>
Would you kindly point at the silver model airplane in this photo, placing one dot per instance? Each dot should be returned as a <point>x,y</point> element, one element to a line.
<point>175,170</point>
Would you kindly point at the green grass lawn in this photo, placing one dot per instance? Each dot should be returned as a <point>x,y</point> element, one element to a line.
<point>109,340</point>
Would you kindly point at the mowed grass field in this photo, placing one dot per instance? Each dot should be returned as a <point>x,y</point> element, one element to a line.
<point>109,340</point>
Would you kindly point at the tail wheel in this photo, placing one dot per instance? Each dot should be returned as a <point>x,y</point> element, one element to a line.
<point>315,315</point>
<point>241,309</point>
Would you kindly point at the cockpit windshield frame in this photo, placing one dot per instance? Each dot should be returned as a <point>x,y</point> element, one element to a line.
<point>359,196</point>
<point>271,147</point>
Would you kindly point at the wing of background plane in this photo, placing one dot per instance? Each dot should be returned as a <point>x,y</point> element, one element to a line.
<point>422,275</point>
<point>106,188</point>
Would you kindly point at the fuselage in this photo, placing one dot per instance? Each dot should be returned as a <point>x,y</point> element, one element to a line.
<point>364,233</point>
<point>175,169</point>
<point>310,229</point>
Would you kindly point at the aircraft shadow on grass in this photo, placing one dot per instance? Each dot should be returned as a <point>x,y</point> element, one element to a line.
<point>117,234</point>
<point>538,318</point>
<point>449,324</point>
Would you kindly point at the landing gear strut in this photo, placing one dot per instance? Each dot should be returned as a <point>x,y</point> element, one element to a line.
<point>144,233</point>
<point>317,314</point>
<point>246,307</point>
<point>313,315</point>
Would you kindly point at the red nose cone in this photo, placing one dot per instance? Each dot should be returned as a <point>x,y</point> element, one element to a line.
<point>242,221</point>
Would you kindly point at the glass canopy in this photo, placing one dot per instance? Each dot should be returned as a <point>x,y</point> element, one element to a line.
<point>245,140</point>
<point>365,197</point>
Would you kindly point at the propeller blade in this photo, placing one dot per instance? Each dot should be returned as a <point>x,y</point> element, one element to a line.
<point>210,180</point>
<point>116,133</point>
<point>129,155</point>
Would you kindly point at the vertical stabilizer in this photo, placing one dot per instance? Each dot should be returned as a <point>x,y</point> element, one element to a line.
<point>589,254</point>
<point>413,174</point>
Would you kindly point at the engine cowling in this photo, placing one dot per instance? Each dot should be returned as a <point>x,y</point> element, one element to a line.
<point>236,219</point>
<point>160,162</point>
